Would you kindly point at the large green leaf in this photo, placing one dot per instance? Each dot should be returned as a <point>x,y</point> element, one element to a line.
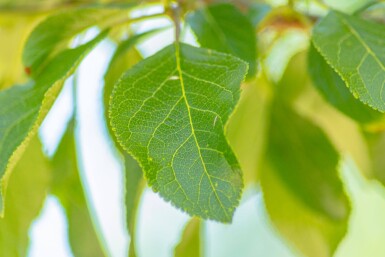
<point>169,112</point>
<point>190,243</point>
<point>334,90</point>
<point>26,191</point>
<point>302,190</point>
<point>67,186</point>
<point>224,28</point>
<point>124,58</point>
<point>354,48</point>
<point>306,162</point>
<point>23,108</point>
<point>55,33</point>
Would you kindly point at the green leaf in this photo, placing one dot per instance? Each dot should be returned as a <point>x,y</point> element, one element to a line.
<point>23,108</point>
<point>306,162</point>
<point>26,191</point>
<point>169,112</point>
<point>303,194</point>
<point>190,244</point>
<point>134,189</point>
<point>248,125</point>
<point>334,90</point>
<point>354,48</point>
<point>67,186</point>
<point>55,33</point>
<point>345,134</point>
<point>294,79</point>
<point>376,147</point>
<point>310,232</point>
<point>224,28</point>
<point>124,58</point>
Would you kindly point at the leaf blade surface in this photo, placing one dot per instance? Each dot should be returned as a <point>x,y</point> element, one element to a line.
<point>173,121</point>
<point>353,47</point>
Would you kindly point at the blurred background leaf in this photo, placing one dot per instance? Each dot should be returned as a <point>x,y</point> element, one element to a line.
<point>26,192</point>
<point>310,232</point>
<point>190,244</point>
<point>217,27</point>
<point>247,127</point>
<point>67,186</point>
<point>306,162</point>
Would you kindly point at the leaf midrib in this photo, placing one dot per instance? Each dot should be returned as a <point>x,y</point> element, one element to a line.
<point>180,72</point>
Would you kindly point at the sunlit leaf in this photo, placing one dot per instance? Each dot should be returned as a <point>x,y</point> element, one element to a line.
<point>247,127</point>
<point>169,112</point>
<point>354,48</point>
<point>55,33</point>
<point>26,191</point>
<point>23,108</point>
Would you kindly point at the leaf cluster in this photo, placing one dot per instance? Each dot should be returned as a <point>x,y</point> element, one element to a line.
<point>242,106</point>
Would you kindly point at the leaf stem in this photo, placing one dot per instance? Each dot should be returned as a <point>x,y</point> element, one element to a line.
<point>175,15</point>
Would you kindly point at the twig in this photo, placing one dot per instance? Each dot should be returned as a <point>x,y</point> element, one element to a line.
<point>175,15</point>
